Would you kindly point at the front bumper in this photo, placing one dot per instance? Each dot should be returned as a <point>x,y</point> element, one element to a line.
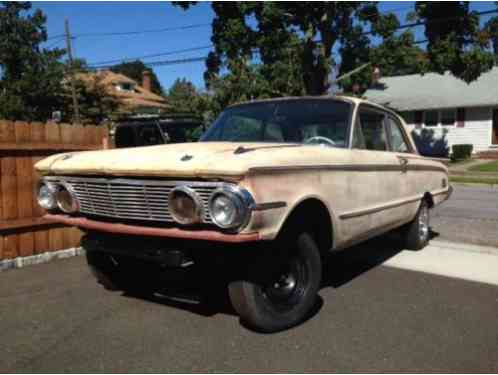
<point>120,228</point>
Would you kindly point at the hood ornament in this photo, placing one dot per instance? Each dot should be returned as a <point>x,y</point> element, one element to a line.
<point>186,157</point>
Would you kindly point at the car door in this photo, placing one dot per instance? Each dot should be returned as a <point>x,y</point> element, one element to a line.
<point>380,177</point>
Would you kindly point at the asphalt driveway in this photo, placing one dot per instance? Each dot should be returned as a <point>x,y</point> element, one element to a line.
<point>470,215</point>
<point>370,318</point>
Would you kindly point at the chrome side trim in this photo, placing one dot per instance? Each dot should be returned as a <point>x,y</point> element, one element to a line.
<point>351,168</point>
<point>368,211</point>
<point>269,206</point>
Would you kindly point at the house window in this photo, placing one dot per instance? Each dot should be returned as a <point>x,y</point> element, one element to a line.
<point>448,117</point>
<point>409,117</point>
<point>125,87</point>
<point>435,118</point>
<point>431,118</point>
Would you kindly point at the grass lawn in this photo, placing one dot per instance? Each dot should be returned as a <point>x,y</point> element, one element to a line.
<point>455,163</point>
<point>491,167</point>
<point>474,180</point>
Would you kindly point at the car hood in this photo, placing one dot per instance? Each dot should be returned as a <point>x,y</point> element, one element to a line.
<point>201,159</point>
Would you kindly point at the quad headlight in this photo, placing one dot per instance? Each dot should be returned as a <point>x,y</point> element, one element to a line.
<point>66,199</point>
<point>46,196</point>
<point>230,206</point>
<point>185,205</point>
<point>51,196</point>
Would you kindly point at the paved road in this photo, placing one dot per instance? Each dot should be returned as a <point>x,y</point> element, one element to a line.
<point>470,215</point>
<point>371,318</point>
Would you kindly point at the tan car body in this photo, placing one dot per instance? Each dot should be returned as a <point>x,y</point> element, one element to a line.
<point>364,192</point>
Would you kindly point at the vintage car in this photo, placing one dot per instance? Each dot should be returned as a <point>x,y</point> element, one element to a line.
<point>271,188</point>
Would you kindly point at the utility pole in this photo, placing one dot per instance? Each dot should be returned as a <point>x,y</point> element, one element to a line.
<point>76,118</point>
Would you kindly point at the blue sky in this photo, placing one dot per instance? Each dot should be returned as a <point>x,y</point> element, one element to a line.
<point>105,17</point>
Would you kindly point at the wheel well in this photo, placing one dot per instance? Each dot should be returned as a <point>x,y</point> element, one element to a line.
<point>429,199</point>
<point>313,216</point>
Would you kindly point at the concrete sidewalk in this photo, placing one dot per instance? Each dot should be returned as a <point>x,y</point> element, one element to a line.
<point>456,260</point>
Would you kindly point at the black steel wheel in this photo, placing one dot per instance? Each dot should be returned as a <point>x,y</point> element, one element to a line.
<point>288,291</point>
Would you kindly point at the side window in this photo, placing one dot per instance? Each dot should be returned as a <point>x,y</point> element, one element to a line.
<point>398,142</point>
<point>373,131</point>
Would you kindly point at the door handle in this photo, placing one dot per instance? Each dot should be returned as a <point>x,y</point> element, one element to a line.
<point>404,163</point>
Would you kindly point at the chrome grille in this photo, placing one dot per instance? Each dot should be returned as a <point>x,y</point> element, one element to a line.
<point>132,199</point>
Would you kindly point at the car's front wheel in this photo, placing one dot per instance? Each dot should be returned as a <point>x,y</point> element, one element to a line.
<point>286,293</point>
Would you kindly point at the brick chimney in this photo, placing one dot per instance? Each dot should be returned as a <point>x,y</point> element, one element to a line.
<point>147,80</point>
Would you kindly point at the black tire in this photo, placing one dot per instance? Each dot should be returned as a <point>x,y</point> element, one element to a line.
<point>417,232</point>
<point>286,297</point>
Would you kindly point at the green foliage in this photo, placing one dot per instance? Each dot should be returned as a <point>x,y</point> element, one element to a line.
<point>455,41</point>
<point>31,77</point>
<point>491,167</point>
<point>134,70</point>
<point>285,36</point>
<point>491,29</point>
<point>95,103</point>
<point>461,152</point>
<point>184,98</point>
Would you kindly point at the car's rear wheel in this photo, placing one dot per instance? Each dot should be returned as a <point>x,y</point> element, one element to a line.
<point>418,231</point>
<point>286,293</point>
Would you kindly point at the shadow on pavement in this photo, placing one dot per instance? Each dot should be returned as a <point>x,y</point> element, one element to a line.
<point>339,269</point>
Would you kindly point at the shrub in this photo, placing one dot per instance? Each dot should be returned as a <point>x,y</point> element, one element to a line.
<point>461,152</point>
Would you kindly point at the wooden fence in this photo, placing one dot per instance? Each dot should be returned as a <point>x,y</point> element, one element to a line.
<point>23,231</point>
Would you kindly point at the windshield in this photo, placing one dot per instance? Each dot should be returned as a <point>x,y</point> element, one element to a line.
<point>311,121</point>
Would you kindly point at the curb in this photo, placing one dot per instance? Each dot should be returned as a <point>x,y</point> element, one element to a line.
<point>21,262</point>
<point>476,184</point>
<point>464,247</point>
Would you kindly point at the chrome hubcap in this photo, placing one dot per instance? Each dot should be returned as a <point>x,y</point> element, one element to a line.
<point>423,223</point>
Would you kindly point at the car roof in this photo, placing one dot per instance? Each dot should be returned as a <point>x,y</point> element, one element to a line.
<point>347,98</point>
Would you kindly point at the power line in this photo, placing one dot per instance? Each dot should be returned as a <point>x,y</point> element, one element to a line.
<point>137,32</point>
<point>56,36</point>
<point>109,63</point>
<point>174,52</point>
<point>60,39</point>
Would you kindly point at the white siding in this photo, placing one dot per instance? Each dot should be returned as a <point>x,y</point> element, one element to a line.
<point>477,129</point>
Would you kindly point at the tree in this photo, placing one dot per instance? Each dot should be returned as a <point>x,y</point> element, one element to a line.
<point>394,55</point>
<point>455,41</point>
<point>491,28</point>
<point>134,70</point>
<point>301,38</point>
<point>95,103</point>
<point>31,77</point>
<point>286,38</point>
<point>183,97</point>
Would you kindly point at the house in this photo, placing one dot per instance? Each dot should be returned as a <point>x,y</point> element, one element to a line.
<point>442,110</point>
<point>130,96</point>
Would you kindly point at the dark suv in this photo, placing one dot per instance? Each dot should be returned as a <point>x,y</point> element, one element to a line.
<point>145,131</point>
